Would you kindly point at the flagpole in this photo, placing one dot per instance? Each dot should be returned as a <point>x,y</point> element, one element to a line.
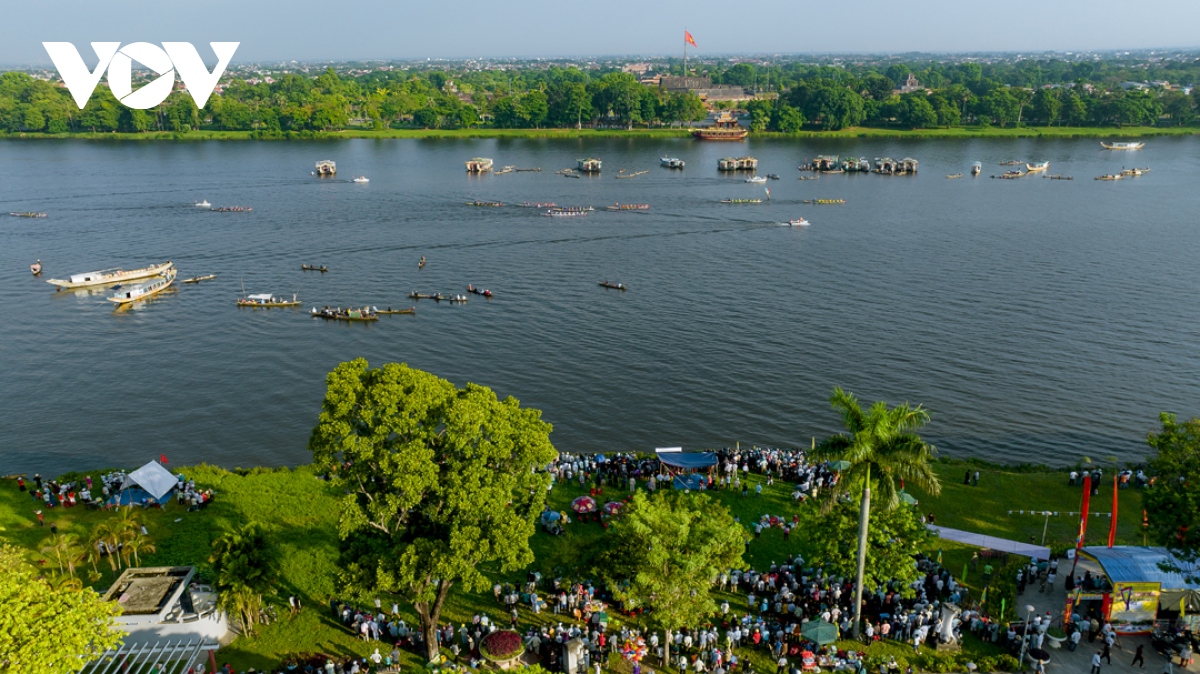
<point>685,52</point>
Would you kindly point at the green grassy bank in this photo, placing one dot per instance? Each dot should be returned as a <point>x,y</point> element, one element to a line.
<point>300,514</point>
<point>853,132</point>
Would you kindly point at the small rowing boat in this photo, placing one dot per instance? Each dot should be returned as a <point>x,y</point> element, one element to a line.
<point>1123,145</point>
<point>628,207</point>
<point>109,276</point>
<point>572,209</point>
<point>488,204</point>
<point>339,314</point>
<point>741,201</point>
<point>773,176</point>
<point>1109,176</point>
<point>671,162</point>
<point>197,279</point>
<point>564,214</point>
<point>614,286</point>
<point>476,291</point>
<point>532,170</point>
<point>28,214</point>
<point>437,297</point>
<point>1134,172</point>
<point>798,222</point>
<point>313,267</point>
<point>391,312</point>
<point>757,180</point>
<point>1011,162</point>
<point>143,290</point>
<point>537,204</point>
<point>953,176</point>
<point>232,209</point>
<point>632,175</point>
<point>1037,168</point>
<point>267,300</point>
<point>825,202</point>
<point>809,178</point>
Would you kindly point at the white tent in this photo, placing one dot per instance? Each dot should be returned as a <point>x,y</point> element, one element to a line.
<point>153,478</point>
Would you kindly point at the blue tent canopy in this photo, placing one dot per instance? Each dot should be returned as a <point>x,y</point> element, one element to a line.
<point>689,460</point>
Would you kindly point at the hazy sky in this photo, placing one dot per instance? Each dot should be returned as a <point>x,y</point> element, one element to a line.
<point>348,29</point>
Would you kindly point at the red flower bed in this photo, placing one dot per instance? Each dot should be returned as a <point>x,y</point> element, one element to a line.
<point>502,645</point>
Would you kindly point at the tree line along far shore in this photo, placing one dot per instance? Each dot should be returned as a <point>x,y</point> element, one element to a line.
<point>799,97</point>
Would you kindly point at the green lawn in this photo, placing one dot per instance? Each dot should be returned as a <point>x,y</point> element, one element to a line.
<point>299,511</point>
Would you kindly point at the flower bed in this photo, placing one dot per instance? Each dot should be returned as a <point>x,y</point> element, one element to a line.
<point>502,646</point>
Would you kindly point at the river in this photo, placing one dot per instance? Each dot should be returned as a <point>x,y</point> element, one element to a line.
<point>1038,320</point>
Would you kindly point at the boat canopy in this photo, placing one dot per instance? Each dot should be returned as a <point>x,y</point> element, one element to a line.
<point>263,297</point>
<point>88,276</point>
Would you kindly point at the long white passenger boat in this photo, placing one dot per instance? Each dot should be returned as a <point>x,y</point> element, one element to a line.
<point>109,276</point>
<point>140,291</point>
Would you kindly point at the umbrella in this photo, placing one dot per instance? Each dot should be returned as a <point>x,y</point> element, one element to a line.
<point>584,504</point>
<point>551,516</point>
<point>1039,655</point>
<point>839,465</point>
<point>908,498</point>
<point>820,632</point>
<point>613,507</point>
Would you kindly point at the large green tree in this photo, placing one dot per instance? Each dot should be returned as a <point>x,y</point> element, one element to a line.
<point>1173,502</point>
<point>893,540</point>
<point>439,481</point>
<point>49,629</point>
<point>667,549</point>
<point>882,448</point>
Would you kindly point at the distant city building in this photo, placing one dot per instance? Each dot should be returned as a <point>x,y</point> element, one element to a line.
<point>671,83</point>
<point>637,68</point>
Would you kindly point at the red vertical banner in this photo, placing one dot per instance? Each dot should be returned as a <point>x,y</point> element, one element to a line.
<point>1112,527</point>
<point>1087,499</point>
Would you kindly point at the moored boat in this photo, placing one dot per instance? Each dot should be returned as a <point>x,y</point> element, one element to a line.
<point>614,286</point>
<point>325,167</point>
<point>588,165</point>
<point>737,164</point>
<point>144,289</point>
<point>1109,176</point>
<point>197,279</point>
<point>479,165</point>
<point>353,315</point>
<point>1123,145</point>
<point>952,176</point>
<point>1134,172</point>
<point>976,168</point>
<point>724,127</point>
<point>313,267</point>
<point>267,300</point>
<point>390,311</point>
<point>1037,168</point>
<point>109,276</point>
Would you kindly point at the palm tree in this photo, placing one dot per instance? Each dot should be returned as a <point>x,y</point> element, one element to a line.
<point>882,444</point>
<point>105,536</point>
<point>135,544</point>
<point>61,547</point>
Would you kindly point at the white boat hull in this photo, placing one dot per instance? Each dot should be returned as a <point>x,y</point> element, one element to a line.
<point>114,277</point>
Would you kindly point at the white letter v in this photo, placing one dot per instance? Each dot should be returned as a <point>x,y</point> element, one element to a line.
<point>199,82</point>
<point>79,80</point>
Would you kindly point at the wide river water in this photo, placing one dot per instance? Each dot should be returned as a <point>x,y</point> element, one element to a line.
<point>1038,320</point>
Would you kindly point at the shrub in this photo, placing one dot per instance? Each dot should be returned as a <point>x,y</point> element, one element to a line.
<point>502,645</point>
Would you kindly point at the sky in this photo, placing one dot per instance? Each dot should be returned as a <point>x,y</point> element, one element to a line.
<point>313,30</point>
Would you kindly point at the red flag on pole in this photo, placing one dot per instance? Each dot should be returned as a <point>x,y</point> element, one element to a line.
<point>687,37</point>
<point>1112,527</point>
<point>162,458</point>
